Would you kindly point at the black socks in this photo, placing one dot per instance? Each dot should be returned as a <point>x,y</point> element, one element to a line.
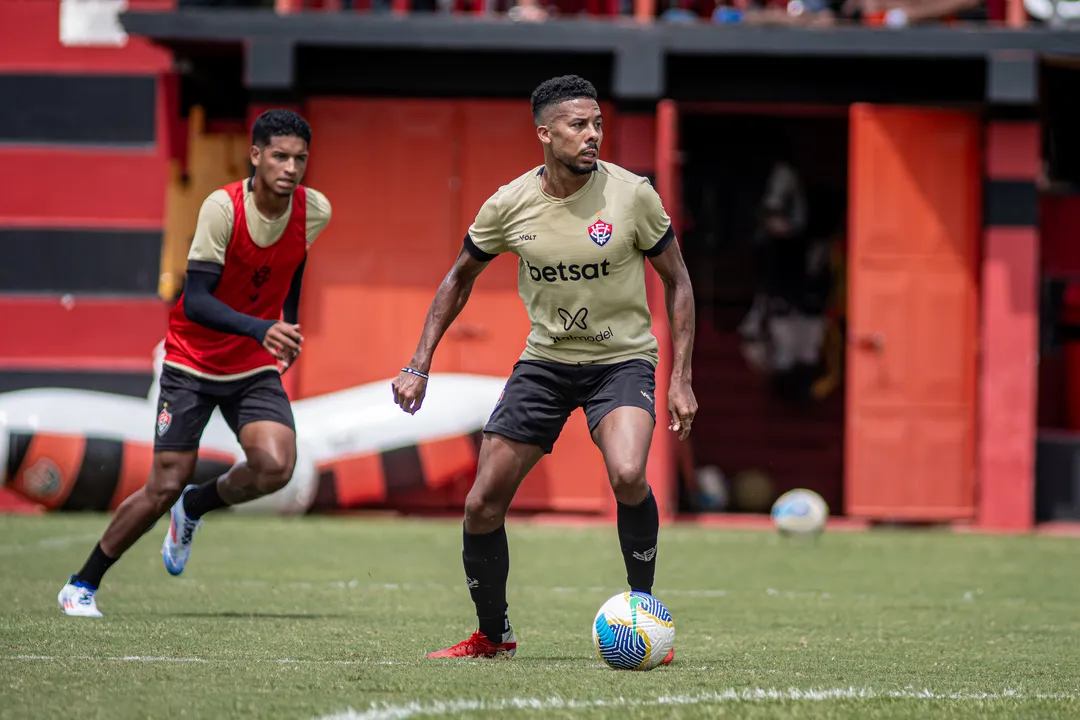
<point>487,566</point>
<point>487,563</point>
<point>203,499</point>
<point>639,527</point>
<point>95,567</point>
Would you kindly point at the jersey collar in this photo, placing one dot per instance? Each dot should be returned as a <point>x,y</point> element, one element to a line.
<point>570,198</point>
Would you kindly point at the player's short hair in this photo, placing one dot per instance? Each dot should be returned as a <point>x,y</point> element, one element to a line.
<point>560,89</point>
<point>279,123</point>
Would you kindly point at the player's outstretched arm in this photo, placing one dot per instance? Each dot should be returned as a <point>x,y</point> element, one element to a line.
<point>450,298</point>
<point>679,298</point>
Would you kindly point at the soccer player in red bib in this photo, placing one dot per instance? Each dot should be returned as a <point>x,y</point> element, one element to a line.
<point>230,336</point>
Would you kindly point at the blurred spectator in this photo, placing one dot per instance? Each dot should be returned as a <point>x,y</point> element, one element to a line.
<point>528,11</point>
<point>901,13</point>
<point>782,214</point>
<point>819,13</point>
<point>678,11</point>
<point>785,327</point>
<point>1056,13</point>
<point>779,12</point>
<point>269,4</point>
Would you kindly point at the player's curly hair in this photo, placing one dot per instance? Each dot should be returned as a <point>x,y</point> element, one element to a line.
<point>279,123</point>
<point>560,89</point>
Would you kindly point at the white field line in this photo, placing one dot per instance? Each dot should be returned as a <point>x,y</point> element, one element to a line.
<point>578,667</point>
<point>427,587</point>
<point>386,711</point>
<point>48,544</point>
<point>967,596</point>
<point>167,659</point>
<point>592,590</point>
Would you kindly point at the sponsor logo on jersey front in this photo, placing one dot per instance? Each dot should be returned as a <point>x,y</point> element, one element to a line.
<point>572,319</point>
<point>568,272</point>
<point>600,232</point>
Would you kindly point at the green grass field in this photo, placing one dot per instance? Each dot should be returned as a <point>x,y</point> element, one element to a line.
<point>330,617</point>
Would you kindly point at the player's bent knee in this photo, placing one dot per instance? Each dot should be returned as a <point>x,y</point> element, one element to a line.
<point>483,514</point>
<point>628,482</point>
<point>272,464</point>
<point>271,482</point>
<point>271,458</point>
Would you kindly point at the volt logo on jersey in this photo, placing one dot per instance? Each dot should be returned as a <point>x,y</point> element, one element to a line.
<point>600,232</point>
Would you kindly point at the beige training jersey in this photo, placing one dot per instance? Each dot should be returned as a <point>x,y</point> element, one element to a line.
<point>581,267</point>
<point>214,228</point>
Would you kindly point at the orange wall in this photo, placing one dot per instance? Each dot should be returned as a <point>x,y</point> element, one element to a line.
<point>405,178</point>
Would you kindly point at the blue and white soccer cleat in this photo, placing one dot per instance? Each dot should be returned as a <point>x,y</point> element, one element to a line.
<point>177,546</point>
<point>77,599</point>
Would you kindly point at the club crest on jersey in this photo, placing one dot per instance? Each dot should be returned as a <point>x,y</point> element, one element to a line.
<point>600,232</point>
<point>260,276</point>
<point>164,421</point>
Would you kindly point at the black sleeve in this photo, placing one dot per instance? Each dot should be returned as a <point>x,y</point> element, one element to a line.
<point>290,312</point>
<point>661,244</point>
<point>478,254</point>
<point>202,307</point>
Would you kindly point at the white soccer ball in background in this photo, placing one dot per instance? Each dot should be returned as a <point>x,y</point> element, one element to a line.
<point>800,512</point>
<point>633,631</point>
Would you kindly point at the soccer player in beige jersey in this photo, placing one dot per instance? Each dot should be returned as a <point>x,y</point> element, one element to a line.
<point>581,229</point>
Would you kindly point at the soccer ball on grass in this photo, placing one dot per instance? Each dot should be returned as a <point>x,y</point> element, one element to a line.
<point>633,631</point>
<point>800,512</point>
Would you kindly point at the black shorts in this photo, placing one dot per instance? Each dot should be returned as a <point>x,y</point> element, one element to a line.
<point>186,403</point>
<point>539,397</point>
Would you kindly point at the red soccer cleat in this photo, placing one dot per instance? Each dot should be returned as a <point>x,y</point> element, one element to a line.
<point>670,656</point>
<point>478,646</point>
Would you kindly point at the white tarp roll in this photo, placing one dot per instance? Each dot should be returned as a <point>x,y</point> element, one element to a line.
<point>92,23</point>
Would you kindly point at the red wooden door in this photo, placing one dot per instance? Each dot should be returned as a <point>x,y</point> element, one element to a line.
<point>911,372</point>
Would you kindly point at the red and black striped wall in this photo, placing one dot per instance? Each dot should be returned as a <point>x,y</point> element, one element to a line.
<point>78,473</point>
<point>83,144</point>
